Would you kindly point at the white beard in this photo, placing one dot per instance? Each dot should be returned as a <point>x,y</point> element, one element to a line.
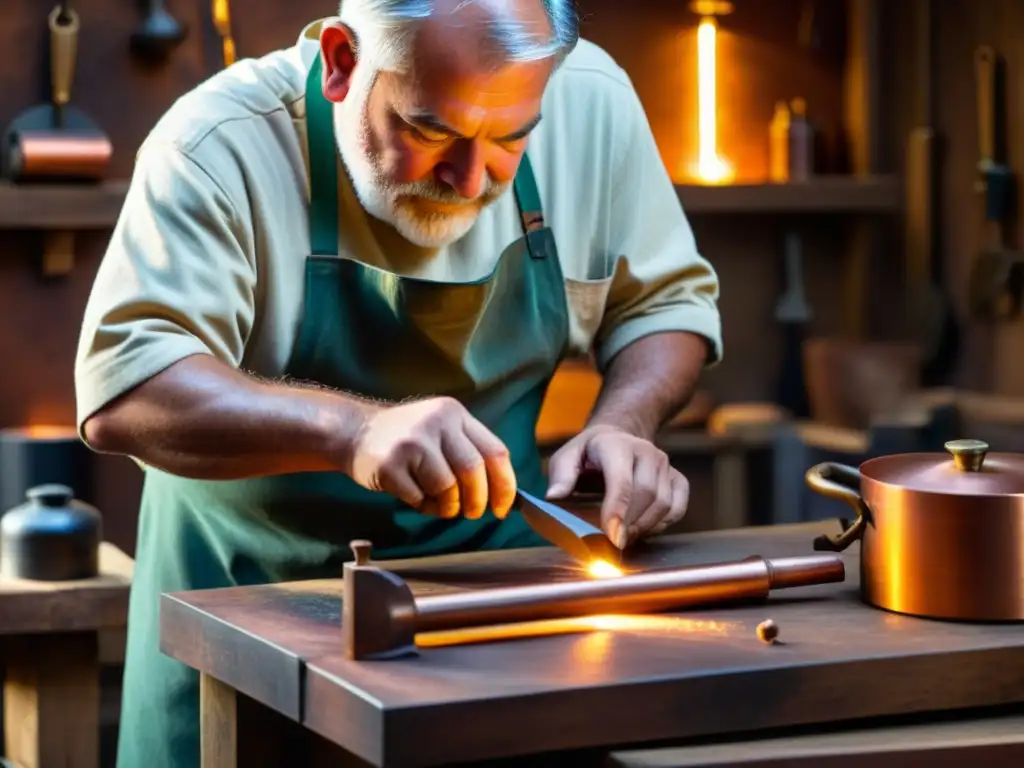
<point>380,198</point>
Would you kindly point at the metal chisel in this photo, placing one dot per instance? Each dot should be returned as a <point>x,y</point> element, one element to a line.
<point>576,537</point>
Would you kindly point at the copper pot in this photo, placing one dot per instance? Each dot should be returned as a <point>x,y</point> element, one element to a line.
<point>941,536</point>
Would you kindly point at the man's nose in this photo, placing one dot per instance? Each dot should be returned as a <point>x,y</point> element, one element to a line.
<point>465,170</point>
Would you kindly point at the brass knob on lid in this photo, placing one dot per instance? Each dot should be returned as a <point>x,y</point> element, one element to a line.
<point>361,548</point>
<point>968,455</point>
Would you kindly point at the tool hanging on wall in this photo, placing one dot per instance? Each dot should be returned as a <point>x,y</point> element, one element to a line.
<point>793,313</point>
<point>932,320</point>
<point>158,34</point>
<point>997,277</point>
<point>222,23</point>
<point>808,32</point>
<point>56,141</point>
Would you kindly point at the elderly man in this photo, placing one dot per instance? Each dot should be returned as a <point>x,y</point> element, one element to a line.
<point>342,279</point>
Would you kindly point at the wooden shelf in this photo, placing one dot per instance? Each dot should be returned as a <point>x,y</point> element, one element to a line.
<point>61,206</point>
<point>824,194</point>
<point>96,206</point>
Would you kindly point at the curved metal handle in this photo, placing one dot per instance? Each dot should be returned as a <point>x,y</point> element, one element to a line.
<point>63,23</point>
<point>823,478</point>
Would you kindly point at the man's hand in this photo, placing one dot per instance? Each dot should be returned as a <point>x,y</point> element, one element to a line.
<point>436,457</point>
<point>643,493</point>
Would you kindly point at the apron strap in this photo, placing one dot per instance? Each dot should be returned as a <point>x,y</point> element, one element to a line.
<point>539,240</point>
<point>528,197</point>
<point>323,166</point>
<point>323,177</point>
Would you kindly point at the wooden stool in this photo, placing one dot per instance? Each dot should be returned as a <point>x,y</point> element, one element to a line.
<point>49,645</point>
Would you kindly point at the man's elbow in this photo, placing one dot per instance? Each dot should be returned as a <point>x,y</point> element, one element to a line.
<point>102,433</point>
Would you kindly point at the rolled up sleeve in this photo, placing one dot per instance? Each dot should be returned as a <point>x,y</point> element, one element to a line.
<point>660,281</point>
<point>178,279</point>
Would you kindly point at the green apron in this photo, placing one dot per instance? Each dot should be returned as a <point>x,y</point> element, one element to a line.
<point>493,344</point>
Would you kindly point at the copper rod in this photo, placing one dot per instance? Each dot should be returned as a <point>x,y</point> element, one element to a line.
<point>38,154</point>
<point>651,592</point>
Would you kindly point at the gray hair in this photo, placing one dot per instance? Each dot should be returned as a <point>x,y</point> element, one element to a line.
<point>384,27</point>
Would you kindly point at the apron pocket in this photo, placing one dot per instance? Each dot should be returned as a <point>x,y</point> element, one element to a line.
<point>586,301</point>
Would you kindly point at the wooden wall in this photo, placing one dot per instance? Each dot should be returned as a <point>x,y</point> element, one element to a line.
<point>761,61</point>
<point>991,358</point>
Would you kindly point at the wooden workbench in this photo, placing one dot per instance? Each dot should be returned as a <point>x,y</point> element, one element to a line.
<point>703,674</point>
<point>50,636</point>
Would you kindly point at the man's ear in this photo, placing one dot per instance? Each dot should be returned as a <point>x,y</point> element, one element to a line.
<point>338,52</point>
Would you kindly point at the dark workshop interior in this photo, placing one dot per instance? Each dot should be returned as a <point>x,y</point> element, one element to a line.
<point>847,166</point>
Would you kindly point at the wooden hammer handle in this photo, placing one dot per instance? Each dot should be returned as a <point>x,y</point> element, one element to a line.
<point>63,23</point>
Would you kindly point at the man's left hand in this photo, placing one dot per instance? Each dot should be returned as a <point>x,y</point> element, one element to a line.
<point>644,494</point>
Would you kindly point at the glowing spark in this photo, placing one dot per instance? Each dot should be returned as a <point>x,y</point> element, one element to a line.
<point>602,569</point>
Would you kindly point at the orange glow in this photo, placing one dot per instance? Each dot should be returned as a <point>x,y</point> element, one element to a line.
<point>602,569</point>
<point>44,432</point>
<point>711,168</point>
<point>674,625</point>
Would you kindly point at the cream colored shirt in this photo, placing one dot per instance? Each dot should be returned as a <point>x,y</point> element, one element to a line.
<point>208,254</point>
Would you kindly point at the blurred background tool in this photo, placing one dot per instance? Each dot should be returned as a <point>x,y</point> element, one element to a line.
<point>932,321</point>
<point>158,34</point>
<point>222,23</point>
<point>996,277</point>
<point>55,140</point>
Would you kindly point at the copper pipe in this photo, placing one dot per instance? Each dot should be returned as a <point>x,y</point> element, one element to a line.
<point>652,592</point>
<point>381,616</point>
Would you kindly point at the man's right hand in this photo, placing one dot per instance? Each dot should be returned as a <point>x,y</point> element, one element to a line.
<point>436,457</point>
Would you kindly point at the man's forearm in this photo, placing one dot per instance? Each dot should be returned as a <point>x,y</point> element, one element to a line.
<point>649,382</point>
<point>202,418</point>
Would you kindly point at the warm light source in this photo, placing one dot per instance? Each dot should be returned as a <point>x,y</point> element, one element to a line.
<point>40,454</point>
<point>711,168</point>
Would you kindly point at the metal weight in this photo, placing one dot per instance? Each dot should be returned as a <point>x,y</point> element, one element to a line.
<point>51,537</point>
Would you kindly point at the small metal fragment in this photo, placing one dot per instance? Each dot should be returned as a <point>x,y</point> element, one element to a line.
<point>361,548</point>
<point>767,631</point>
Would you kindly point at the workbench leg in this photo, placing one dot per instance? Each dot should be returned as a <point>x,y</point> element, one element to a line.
<point>52,702</point>
<point>218,718</point>
<point>235,730</point>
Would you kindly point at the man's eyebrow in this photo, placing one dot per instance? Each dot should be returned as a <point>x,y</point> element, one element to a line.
<point>432,122</point>
<point>523,132</point>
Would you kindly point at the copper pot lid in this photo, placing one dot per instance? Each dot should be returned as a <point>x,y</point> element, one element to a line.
<point>968,470</point>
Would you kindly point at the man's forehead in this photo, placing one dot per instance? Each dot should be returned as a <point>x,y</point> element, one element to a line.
<point>453,62</point>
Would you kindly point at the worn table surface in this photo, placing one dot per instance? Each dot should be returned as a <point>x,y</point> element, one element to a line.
<point>35,607</point>
<point>702,672</point>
